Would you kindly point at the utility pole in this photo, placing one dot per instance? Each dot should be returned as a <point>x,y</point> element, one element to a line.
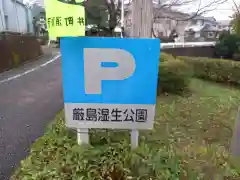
<point>142,18</point>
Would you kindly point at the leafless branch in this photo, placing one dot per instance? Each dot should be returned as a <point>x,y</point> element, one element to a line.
<point>174,3</point>
<point>236,8</point>
<point>178,3</point>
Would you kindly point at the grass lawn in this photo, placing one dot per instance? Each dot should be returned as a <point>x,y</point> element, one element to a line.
<point>190,141</point>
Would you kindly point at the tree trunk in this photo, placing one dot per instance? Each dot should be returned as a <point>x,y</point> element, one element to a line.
<point>142,18</point>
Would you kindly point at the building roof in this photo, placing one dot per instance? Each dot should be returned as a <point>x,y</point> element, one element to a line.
<point>211,19</point>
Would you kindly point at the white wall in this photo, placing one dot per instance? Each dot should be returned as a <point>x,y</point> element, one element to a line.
<point>22,19</point>
<point>10,12</point>
<point>2,22</point>
<point>16,16</point>
<point>166,26</point>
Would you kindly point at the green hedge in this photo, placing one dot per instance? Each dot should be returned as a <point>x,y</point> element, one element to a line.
<point>166,57</point>
<point>57,156</point>
<point>174,75</point>
<point>218,70</point>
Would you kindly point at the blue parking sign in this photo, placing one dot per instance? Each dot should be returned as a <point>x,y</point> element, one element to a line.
<point>110,82</point>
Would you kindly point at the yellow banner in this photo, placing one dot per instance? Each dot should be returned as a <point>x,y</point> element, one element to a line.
<point>65,18</point>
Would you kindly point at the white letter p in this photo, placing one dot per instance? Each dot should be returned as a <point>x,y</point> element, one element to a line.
<point>94,73</point>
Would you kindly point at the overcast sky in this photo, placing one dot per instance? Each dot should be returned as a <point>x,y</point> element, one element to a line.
<point>222,12</point>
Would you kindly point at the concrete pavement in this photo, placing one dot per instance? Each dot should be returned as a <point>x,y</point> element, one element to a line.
<point>28,103</point>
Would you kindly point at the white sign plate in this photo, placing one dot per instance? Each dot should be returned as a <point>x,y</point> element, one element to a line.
<point>110,82</point>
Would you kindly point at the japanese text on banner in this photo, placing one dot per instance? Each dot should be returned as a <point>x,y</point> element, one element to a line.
<point>64,19</point>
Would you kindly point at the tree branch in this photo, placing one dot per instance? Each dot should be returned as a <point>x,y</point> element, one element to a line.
<point>236,7</point>
<point>177,3</point>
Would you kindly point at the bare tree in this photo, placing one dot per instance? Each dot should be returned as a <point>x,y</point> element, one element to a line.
<point>104,13</point>
<point>112,11</point>
<point>236,18</point>
<point>175,5</point>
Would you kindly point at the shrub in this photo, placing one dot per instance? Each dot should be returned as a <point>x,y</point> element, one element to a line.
<point>15,60</point>
<point>173,77</point>
<point>218,70</point>
<point>227,45</point>
<point>166,57</point>
<point>57,156</point>
<point>236,23</point>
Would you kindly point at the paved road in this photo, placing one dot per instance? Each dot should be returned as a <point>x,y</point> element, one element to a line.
<point>27,105</point>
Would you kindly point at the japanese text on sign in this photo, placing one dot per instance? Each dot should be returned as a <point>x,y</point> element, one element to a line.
<point>70,21</point>
<point>113,115</point>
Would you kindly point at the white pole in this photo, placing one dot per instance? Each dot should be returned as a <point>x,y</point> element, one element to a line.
<point>82,136</point>
<point>235,145</point>
<point>134,138</point>
<point>134,133</point>
<point>142,18</point>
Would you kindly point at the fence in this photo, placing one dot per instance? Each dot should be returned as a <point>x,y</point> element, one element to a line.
<point>194,49</point>
<point>17,49</point>
<point>186,44</point>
